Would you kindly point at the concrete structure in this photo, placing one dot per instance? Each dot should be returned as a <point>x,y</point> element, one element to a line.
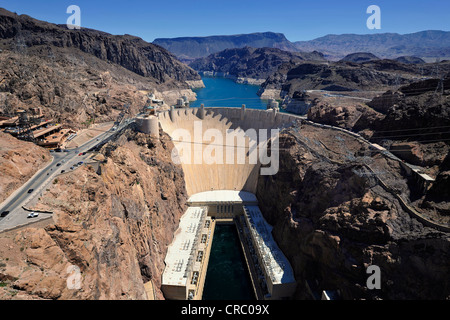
<point>278,274</point>
<point>148,124</point>
<point>182,279</point>
<point>221,175</point>
<point>187,256</point>
<point>223,204</point>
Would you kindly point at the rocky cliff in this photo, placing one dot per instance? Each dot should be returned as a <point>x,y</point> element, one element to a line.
<point>114,226</point>
<point>333,219</point>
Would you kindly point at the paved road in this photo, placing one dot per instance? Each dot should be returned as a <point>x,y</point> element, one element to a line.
<point>40,181</point>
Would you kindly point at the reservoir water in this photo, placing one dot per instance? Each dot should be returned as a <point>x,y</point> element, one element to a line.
<point>227,276</point>
<point>224,92</point>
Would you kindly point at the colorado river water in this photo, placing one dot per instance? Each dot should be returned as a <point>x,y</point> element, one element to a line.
<point>227,277</point>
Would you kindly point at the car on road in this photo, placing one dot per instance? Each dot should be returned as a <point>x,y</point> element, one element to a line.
<point>30,191</point>
<point>84,153</point>
<point>4,214</point>
<point>62,171</point>
<point>80,154</point>
<point>71,168</point>
<point>33,215</point>
<point>58,164</point>
<point>80,163</point>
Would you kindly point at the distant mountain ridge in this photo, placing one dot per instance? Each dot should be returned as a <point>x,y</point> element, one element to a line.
<point>427,45</point>
<point>190,48</point>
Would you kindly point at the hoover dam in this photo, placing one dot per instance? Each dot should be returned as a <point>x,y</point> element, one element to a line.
<point>223,151</point>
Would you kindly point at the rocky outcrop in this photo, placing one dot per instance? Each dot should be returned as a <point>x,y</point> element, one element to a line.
<point>115,227</point>
<point>358,57</point>
<point>410,59</point>
<point>332,219</point>
<point>19,161</point>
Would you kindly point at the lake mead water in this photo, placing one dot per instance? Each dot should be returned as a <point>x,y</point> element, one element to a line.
<point>224,92</point>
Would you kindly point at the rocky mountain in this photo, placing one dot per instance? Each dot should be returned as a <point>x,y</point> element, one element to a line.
<point>429,44</point>
<point>189,48</point>
<point>130,52</point>
<point>253,63</point>
<point>80,76</point>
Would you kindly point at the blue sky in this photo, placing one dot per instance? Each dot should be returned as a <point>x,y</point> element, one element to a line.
<point>297,19</point>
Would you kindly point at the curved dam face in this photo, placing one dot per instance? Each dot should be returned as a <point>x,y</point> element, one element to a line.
<point>223,148</point>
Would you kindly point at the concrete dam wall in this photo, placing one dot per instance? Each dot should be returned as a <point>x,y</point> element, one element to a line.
<point>211,162</point>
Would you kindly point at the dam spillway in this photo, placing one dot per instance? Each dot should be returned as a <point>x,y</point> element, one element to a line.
<point>222,190</point>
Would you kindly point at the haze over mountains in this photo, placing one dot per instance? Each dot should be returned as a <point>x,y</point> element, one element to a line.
<point>427,45</point>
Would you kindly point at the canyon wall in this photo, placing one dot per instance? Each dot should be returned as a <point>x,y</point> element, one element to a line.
<point>114,226</point>
<point>332,219</point>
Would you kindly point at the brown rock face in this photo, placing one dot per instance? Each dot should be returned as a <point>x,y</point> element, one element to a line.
<point>115,227</point>
<point>333,219</point>
<point>19,161</point>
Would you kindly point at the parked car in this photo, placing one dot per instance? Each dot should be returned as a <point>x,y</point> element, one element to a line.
<point>30,191</point>
<point>62,171</point>
<point>33,215</point>
<point>4,214</point>
<point>58,164</point>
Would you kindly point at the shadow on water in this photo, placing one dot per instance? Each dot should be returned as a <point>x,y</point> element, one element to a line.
<point>227,277</point>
